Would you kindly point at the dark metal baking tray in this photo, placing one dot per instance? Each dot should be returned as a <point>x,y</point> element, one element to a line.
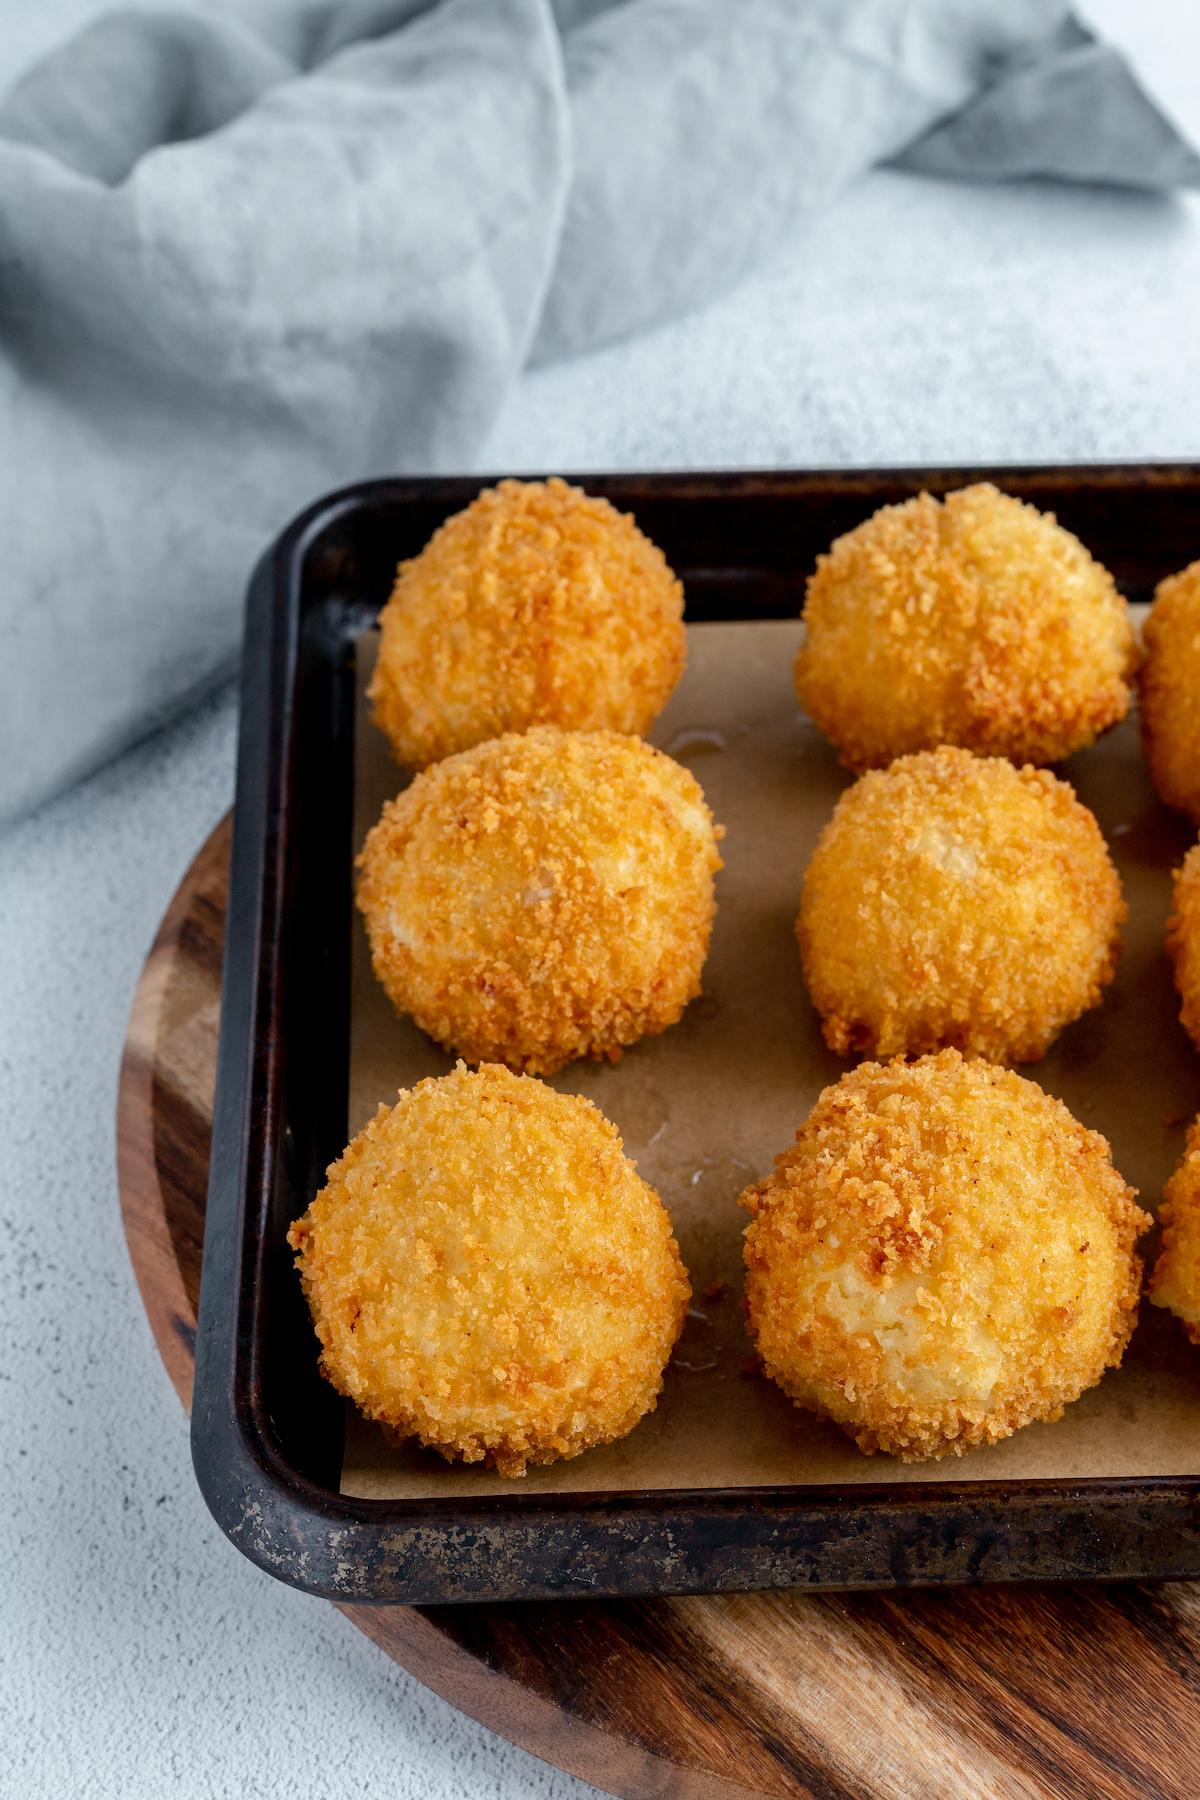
<point>267,1430</point>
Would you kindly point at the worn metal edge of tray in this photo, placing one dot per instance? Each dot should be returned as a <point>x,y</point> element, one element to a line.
<point>539,1546</point>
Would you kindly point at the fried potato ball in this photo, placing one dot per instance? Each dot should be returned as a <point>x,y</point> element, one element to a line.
<point>976,621</point>
<point>1170,691</point>
<point>1183,941</point>
<point>538,605</point>
<point>1175,1282</point>
<point>542,897</point>
<point>954,900</point>
<point>944,1256</point>
<point>487,1272</point>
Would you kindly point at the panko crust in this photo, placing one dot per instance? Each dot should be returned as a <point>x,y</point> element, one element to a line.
<point>975,621</point>
<point>1170,683</point>
<point>537,605</point>
<point>956,901</point>
<point>543,896</point>
<point>944,1256</point>
<point>487,1272</point>
<point>1175,1283</point>
<point>1183,941</point>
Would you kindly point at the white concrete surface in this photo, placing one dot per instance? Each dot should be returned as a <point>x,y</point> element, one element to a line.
<point>140,1655</point>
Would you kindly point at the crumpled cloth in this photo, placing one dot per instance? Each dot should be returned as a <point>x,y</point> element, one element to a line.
<point>247,256</point>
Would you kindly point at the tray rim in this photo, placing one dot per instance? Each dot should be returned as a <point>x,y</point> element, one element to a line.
<point>386,1551</point>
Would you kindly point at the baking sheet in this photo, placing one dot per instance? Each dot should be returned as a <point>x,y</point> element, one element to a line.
<point>705,1107</point>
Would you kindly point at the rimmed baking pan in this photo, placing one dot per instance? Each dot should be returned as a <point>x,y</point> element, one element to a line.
<point>269,1438</point>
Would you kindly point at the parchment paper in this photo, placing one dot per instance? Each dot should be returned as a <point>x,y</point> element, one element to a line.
<point>704,1108</point>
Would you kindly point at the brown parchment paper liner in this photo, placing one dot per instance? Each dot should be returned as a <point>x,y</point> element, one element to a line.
<point>705,1107</point>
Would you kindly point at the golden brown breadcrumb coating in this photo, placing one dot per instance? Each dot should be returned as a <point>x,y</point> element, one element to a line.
<point>944,1256</point>
<point>1175,1282</point>
<point>954,900</point>
<point>1183,941</point>
<point>1170,691</point>
<point>538,605</point>
<point>978,621</point>
<point>543,896</point>
<point>488,1273</point>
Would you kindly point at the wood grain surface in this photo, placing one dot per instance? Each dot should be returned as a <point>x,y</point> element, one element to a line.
<point>1088,1693</point>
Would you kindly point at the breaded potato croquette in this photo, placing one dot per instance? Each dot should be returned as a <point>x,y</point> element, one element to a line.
<point>1175,1283</point>
<point>538,605</point>
<point>944,1256</point>
<point>978,621</point>
<point>542,897</point>
<point>955,901</point>
<point>1170,691</point>
<point>488,1273</point>
<point>1183,941</point>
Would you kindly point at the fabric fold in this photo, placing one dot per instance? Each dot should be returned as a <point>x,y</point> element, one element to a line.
<point>695,148</point>
<point>1077,114</point>
<point>342,280</point>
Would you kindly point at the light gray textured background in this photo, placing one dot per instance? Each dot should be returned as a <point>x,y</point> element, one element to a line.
<point>917,321</point>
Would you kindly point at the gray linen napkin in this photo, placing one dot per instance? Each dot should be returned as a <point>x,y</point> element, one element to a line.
<point>248,256</point>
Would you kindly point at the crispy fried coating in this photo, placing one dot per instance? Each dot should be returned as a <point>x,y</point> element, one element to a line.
<point>944,1256</point>
<point>543,896</point>
<point>954,900</point>
<point>488,1273</point>
<point>1183,941</point>
<point>1175,1282</point>
<point>538,605</point>
<point>978,621</point>
<point>1170,691</point>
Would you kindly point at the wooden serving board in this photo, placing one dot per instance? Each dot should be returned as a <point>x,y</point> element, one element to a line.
<point>1085,1693</point>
